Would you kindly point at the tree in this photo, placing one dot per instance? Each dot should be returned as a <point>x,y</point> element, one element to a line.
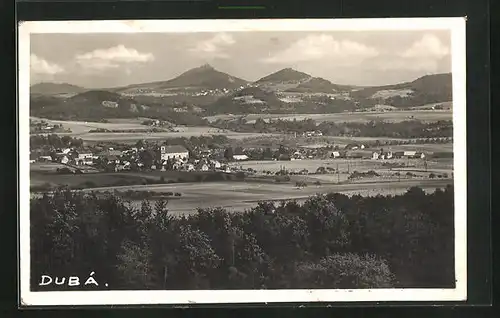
<point>147,157</point>
<point>228,153</point>
<point>344,271</point>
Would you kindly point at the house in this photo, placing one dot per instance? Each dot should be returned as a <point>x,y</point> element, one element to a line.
<point>190,167</point>
<point>203,167</point>
<point>388,155</point>
<point>375,155</point>
<point>121,167</point>
<point>64,159</point>
<point>216,164</point>
<point>297,156</point>
<point>240,157</point>
<point>112,159</point>
<point>335,154</point>
<point>173,152</point>
<point>409,153</point>
<point>85,156</point>
<point>66,151</point>
<point>420,155</point>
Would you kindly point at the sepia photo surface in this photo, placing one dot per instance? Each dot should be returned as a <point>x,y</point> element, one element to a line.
<point>242,161</point>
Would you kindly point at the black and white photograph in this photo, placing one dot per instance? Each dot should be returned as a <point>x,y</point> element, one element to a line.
<point>242,161</point>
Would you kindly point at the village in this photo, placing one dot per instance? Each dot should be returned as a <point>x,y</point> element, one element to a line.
<point>164,156</point>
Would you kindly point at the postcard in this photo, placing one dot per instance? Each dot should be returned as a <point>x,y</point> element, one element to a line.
<point>242,161</point>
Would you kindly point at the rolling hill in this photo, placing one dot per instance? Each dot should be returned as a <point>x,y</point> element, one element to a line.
<point>318,85</point>
<point>46,88</point>
<point>200,78</point>
<point>290,80</point>
<point>425,90</point>
<point>98,105</point>
<point>284,75</point>
<point>212,92</point>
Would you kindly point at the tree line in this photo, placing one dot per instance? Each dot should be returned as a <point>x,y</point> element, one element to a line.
<point>54,141</point>
<point>329,241</point>
<point>403,129</point>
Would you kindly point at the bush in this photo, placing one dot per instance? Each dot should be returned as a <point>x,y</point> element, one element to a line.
<point>432,175</point>
<point>318,183</point>
<point>177,194</point>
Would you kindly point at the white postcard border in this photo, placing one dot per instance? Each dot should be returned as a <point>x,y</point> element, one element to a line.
<point>455,25</point>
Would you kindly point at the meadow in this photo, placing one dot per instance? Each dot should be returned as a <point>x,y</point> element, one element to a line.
<point>347,165</point>
<point>390,116</point>
<point>82,127</point>
<point>238,196</point>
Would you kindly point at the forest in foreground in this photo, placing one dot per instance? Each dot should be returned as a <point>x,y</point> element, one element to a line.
<point>330,241</point>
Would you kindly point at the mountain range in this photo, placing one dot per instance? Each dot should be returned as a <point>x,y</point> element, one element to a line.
<point>284,91</point>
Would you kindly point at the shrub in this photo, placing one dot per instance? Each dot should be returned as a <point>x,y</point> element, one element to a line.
<point>318,183</point>
<point>177,194</point>
<point>432,175</point>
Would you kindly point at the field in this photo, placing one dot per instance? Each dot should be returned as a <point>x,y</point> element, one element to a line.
<point>81,127</point>
<point>89,180</point>
<point>390,116</point>
<point>345,165</point>
<point>237,196</point>
<point>81,130</point>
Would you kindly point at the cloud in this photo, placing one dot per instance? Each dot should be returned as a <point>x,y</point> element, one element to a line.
<point>214,47</point>
<point>423,55</point>
<point>41,66</point>
<point>315,47</point>
<point>429,46</point>
<point>114,57</point>
<point>414,64</point>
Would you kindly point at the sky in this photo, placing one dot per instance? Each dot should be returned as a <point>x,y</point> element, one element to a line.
<point>343,57</point>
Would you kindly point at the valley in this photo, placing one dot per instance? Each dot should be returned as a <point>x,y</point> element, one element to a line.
<point>282,129</point>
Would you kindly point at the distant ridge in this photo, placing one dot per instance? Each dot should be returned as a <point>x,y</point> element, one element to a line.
<point>428,89</point>
<point>284,75</point>
<point>204,77</point>
<point>46,88</point>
